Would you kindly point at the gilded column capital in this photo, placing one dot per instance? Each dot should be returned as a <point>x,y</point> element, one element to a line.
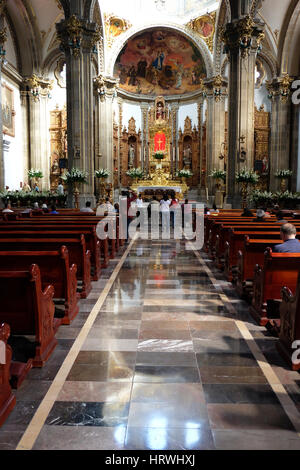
<point>216,87</point>
<point>105,87</point>
<point>242,35</point>
<point>76,34</point>
<point>38,86</point>
<point>280,87</point>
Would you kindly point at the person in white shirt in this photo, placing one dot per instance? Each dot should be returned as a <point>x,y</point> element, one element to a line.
<point>87,207</point>
<point>165,212</point>
<point>7,209</point>
<point>139,201</point>
<point>60,188</point>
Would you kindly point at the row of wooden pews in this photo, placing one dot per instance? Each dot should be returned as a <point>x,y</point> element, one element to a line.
<point>47,263</point>
<point>270,282</point>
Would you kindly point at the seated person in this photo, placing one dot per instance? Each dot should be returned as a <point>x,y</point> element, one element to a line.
<point>87,207</point>
<point>45,209</point>
<point>247,213</point>
<point>214,209</point>
<point>36,208</point>
<point>7,208</point>
<point>290,244</point>
<point>53,210</point>
<point>260,215</point>
<point>280,218</point>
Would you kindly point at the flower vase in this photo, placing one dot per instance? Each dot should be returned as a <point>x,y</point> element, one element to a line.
<point>283,185</point>
<point>244,194</point>
<point>76,195</point>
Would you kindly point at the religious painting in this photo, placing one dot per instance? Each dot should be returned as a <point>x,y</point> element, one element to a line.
<point>114,26</point>
<point>160,62</point>
<point>8,112</point>
<point>159,142</point>
<point>205,27</point>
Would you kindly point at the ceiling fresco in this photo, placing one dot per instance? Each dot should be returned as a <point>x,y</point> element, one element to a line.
<point>159,62</point>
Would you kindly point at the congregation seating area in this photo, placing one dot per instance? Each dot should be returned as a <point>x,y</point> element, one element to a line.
<point>47,263</point>
<point>242,249</point>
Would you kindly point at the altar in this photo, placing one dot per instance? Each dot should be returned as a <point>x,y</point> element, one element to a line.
<point>160,167</point>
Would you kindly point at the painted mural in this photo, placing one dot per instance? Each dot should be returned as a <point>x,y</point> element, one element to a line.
<point>160,62</point>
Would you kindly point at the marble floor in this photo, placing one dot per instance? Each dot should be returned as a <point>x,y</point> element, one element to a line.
<point>163,356</point>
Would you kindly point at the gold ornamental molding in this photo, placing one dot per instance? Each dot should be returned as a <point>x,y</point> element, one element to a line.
<point>114,26</point>
<point>242,35</point>
<point>205,27</point>
<point>38,86</point>
<point>280,87</point>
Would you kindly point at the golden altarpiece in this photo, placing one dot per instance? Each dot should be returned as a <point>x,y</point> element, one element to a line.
<point>58,145</point>
<point>189,150</point>
<point>161,165</point>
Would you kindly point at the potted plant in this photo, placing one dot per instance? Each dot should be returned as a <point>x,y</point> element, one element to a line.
<point>283,175</point>
<point>159,155</point>
<point>75,177</point>
<point>35,175</point>
<point>246,177</point>
<point>135,173</point>
<point>102,173</point>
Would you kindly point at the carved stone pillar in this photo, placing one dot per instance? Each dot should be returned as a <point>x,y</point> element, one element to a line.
<point>25,132</point>
<point>38,91</point>
<point>174,156</point>
<point>242,40</point>
<point>216,91</point>
<point>279,92</point>
<point>78,40</point>
<point>200,104</point>
<point>106,91</point>
<point>145,156</point>
<point>120,169</point>
<point>3,38</point>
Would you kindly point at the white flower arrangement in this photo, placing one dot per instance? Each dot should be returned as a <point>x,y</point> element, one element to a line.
<point>35,173</point>
<point>282,174</point>
<point>159,155</point>
<point>184,174</point>
<point>135,173</point>
<point>102,173</point>
<point>75,176</point>
<point>218,174</point>
<point>246,176</point>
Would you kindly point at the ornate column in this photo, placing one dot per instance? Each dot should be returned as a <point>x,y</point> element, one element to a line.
<point>174,156</point>
<point>25,131</point>
<point>3,38</point>
<point>144,111</point>
<point>216,91</point>
<point>120,169</point>
<point>280,93</point>
<point>106,91</point>
<point>200,104</point>
<point>78,40</point>
<point>242,38</point>
<point>38,92</point>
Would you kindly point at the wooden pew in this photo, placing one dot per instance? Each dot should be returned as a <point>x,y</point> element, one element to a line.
<point>289,324</point>
<point>78,254</point>
<point>7,399</point>
<point>92,242</point>
<point>277,269</point>
<point>83,226</point>
<point>251,253</point>
<point>29,310</point>
<point>55,269</point>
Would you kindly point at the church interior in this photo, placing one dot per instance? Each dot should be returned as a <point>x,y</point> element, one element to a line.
<point>185,336</point>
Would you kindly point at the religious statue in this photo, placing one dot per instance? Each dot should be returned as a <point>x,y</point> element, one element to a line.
<point>187,156</point>
<point>55,167</point>
<point>131,156</point>
<point>159,111</point>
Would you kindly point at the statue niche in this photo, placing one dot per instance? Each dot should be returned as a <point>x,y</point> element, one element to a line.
<point>58,145</point>
<point>189,150</point>
<point>130,150</point>
<point>160,127</point>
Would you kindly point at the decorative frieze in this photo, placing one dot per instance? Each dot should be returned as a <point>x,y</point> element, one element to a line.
<point>76,34</point>
<point>216,87</point>
<point>38,86</point>
<point>242,35</point>
<point>281,87</point>
<point>105,87</point>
